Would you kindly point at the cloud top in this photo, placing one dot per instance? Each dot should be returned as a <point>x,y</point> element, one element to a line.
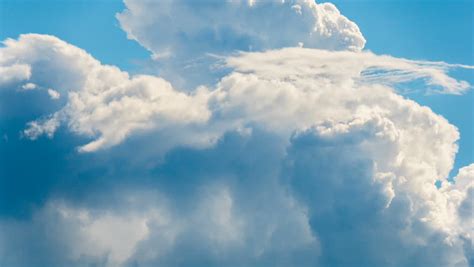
<point>184,35</point>
<point>177,28</point>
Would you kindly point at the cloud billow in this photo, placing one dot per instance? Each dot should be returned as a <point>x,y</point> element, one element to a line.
<point>185,36</point>
<point>302,154</point>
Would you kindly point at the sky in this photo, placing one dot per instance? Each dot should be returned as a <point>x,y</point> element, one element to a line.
<point>204,133</point>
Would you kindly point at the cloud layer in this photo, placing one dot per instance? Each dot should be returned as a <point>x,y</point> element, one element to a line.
<point>296,156</point>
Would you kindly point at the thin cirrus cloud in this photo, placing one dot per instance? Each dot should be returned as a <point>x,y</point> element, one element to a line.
<point>301,153</point>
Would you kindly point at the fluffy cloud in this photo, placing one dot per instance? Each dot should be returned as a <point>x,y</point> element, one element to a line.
<point>243,200</point>
<point>148,230</point>
<point>296,156</point>
<point>29,86</point>
<point>107,104</point>
<point>351,160</point>
<point>99,94</point>
<point>182,34</point>
<point>186,27</point>
<point>14,73</point>
<point>53,94</point>
<point>380,212</point>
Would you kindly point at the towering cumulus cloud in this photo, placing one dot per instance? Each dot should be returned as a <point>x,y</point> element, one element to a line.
<point>183,35</point>
<point>170,28</point>
<point>302,153</point>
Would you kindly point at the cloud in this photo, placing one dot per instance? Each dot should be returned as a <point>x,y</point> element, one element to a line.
<point>99,94</point>
<point>366,206</point>
<point>181,34</point>
<point>295,156</point>
<point>147,230</point>
<point>185,27</point>
<point>41,127</point>
<point>29,86</point>
<point>342,157</point>
<point>107,104</point>
<point>53,94</point>
<point>323,200</point>
<point>361,68</point>
<point>14,73</point>
<point>80,237</point>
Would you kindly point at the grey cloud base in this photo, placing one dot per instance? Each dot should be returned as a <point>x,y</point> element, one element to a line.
<point>245,201</point>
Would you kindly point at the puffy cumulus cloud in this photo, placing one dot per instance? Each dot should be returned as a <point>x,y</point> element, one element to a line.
<point>324,199</point>
<point>368,207</point>
<point>107,104</point>
<point>29,86</point>
<point>98,94</point>
<point>181,34</point>
<point>460,202</point>
<point>65,235</point>
<point>53,94</point>
<point>187,27</point>
<point>296,157</point>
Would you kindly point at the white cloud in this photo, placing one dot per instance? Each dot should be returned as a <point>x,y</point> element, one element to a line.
<point>348,67</point>
<point>349,177</point>
<point>460,197</point>
<point>53,94</point>
<point>98,95</point>
<point>181,34</point>
<point>13,73</point>
<point>46,126</point>
<point>112,235</point>
<point>290,86</point>
<point>143,230</point>
<point>256,205</point>
<point>84,235</point>
<point>296,156</point>
<point>186,27</point>
<point>28,86</point>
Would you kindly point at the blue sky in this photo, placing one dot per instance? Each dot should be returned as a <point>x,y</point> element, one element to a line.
<point>111,157</point>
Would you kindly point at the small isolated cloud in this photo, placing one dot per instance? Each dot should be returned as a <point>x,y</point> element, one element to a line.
<point>53,94</point>
<point>47,126</point>
<point>28,86</point>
